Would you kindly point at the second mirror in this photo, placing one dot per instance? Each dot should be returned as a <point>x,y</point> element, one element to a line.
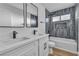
<point>32,15</point>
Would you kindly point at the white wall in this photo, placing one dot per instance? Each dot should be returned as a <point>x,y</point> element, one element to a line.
<point>31,9</point>
<point>41,14</point>
<point>77,20</point>
<point>6,33</point>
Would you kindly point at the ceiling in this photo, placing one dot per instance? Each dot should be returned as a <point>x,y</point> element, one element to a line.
<point>17,5</point>
<point>57,6</point>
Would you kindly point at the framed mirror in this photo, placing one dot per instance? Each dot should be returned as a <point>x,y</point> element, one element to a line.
<point>32,15</point>
<point>11,15</point>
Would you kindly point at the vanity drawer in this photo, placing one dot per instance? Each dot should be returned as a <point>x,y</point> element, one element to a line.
<point>19,50</point>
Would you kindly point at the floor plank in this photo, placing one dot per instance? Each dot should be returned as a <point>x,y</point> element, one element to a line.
<point>59,52</point>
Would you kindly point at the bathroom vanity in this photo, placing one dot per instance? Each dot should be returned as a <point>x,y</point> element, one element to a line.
<point>34,46</point>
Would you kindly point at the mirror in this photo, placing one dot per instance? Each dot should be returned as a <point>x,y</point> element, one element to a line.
<point>32,15</point>
<point>11,15</point>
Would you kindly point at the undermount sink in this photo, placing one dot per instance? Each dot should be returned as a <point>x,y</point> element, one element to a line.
<point>41,34</point>
<point>23,38</point>
<point>20,39</point>
<point>13,41</point>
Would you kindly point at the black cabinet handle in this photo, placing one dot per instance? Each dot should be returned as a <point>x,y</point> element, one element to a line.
<point>45,46</point>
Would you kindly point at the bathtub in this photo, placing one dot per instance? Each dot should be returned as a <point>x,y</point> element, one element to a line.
<point>69,45</point>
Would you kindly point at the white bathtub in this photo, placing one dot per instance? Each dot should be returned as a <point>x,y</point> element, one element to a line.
<point>65,44</point>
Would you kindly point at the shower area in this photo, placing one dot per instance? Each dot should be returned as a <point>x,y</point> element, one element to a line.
<point>62,26</point>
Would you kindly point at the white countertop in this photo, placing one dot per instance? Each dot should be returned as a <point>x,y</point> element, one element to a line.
<point>7,45</point>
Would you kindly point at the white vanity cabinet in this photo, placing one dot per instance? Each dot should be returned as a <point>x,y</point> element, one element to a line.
<point>43,46</point>
<point>30,49</point>
<point>33,47</point>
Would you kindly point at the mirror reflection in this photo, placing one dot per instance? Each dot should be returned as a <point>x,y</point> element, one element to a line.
<point>11,14</point>
<point>32,15</point>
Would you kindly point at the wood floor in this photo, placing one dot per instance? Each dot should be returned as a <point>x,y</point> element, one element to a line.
<point>59,52</point>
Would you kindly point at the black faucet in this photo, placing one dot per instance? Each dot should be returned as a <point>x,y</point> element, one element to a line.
<point>14,34</point>
<point>34,32</point>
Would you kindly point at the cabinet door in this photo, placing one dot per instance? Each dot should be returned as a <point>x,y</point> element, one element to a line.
<point>46,48</point>
<point>33,51</point>
<point>43,46</point>
<point>41,50</point>
<point>30,52</point>
<point>36,48</point>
